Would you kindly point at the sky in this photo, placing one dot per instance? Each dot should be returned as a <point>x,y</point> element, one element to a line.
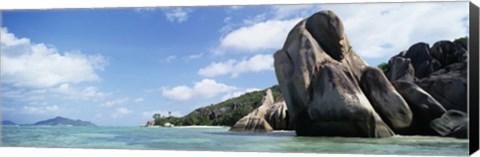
<point>119,66</point>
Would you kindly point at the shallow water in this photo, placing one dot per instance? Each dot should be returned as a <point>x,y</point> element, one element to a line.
<point>219,139</point>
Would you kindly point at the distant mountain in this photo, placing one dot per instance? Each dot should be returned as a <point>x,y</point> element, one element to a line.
<point>7,122</point>
<point>64,121</point>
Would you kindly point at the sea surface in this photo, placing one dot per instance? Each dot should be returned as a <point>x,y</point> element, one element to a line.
<point>219,139</point>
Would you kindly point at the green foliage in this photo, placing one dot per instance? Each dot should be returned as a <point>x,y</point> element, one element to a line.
<point>462,40</point>
<point>383,66</point>
<point>237,108</point>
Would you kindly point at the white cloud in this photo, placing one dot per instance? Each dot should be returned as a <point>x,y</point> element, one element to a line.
<point>149,114</point>
<point>27,64</point>
<point>234,68</point>
<point>238,93</point>
<point>87,93</point>
<point>121,111</point>
<point>382,30</point>
<point>114,102</point>
<point>170,58</point>
<point>206,88</point>
<point>236,7</point>
<point>137,100</point>
<point>193,57</point>
<point>144,9</point>
<point>294,11</point>
<point>40,109</point>
<point>177,15</point>
<point>260,36</point>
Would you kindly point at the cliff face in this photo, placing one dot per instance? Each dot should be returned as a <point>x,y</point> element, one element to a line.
<point>331,91</point>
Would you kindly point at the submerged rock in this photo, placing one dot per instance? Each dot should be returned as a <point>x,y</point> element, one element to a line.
<point>453,123</point>
<point>252,123</point>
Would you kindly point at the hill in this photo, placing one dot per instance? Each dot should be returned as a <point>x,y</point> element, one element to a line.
<point>64,121</point>
<point>7,122</point>
<point>225,113</point>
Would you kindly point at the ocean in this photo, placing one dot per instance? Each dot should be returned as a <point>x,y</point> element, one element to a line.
<point>220,139</point>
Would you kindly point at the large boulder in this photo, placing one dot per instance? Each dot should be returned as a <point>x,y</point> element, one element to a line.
<point>400,68</point>
<point>386,101</point>
<point>448,52</point>
<point>277,116</point>
<point>423,106</point>
<point>255,121</point>
<point>150,123</point>
<point>453,123</point>
<point>421,60</point>
<point>251,123</point>
<point>448,86</point>
<point>318,74</point>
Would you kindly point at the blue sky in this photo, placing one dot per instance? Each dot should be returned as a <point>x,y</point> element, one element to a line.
<point>119,66</point>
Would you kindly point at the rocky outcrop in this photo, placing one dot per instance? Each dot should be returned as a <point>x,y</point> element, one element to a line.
<point>269,116</point>
<point>150,123</point>
<point>400,68</point>
<point>440,70</point>
<point>319,76</point>
<point>255,121</point>
<point>448,86</point>
<point>330,91</point>
<point>277,116</point>
<point>421,60</point>
<point>389,104</point>
<point>423,106</point>
<point>453,123</point>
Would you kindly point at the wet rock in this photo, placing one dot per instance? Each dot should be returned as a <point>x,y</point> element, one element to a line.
<point>453,123</point>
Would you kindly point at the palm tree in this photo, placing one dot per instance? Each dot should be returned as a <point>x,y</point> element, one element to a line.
<point>157,116</point>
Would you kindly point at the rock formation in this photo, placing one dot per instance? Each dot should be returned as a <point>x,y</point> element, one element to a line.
<point>150,123</point>
<point>320,78</point>
<point>330,91</point>
<point>440,70</point>
<point>268,117</point>
<point>424,107</point>
<point>453,123</point>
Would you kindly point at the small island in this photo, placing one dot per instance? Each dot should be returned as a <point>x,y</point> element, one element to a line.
<point>61,121</point>
<point>7,122</point>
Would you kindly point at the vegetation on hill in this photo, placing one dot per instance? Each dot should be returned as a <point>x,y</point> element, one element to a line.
<point>225,113</point>
<point>383,66</point>
<point>462,40</point>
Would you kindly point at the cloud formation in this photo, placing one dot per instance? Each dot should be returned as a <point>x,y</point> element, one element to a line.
<point>206,88</point>
<point>234,68</point>
<point>178,15</point>
<point>115,102</point>
<point>32,65</point>
<point>264,35</point>
<point>383,30</point>
<point>120,112</point>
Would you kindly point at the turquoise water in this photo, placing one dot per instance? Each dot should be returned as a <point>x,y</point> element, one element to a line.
<point>219,139</point>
